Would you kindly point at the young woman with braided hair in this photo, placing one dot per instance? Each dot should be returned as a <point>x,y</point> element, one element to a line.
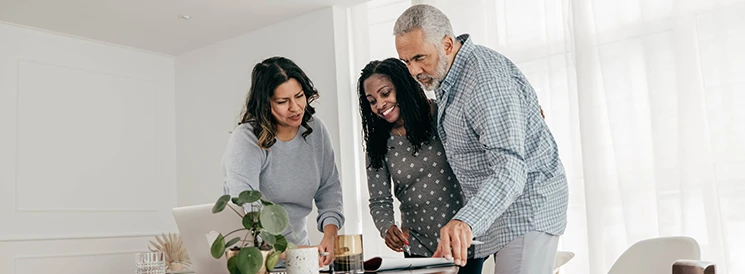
<point>405,157</point>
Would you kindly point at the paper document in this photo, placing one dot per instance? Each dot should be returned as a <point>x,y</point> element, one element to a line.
<point>393,263</point>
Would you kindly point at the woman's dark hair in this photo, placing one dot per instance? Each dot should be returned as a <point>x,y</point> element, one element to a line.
<point>265,78</point>
<point>413,106</point>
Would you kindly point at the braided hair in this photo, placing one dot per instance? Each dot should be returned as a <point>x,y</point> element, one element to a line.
<point>413,104</point>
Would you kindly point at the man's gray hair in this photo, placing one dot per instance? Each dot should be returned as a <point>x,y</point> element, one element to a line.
<point>429,19</point>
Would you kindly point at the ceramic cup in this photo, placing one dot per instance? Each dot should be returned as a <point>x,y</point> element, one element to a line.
<point>302,261</point>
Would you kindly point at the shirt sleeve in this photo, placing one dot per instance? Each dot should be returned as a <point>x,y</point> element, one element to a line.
<point>329,195</point>
<point>497,118</point>
<point>381,199</point>
<point>242,162</point>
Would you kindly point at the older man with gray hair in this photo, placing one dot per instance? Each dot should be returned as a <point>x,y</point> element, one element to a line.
<point>497,143</point>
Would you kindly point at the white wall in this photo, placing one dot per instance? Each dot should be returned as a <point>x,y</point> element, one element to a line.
<point>87,153</point>
<point>94,137</point>
<point>212,84</point>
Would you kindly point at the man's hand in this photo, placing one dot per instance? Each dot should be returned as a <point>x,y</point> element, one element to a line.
<point>455,235</point>
<point>395,238</point>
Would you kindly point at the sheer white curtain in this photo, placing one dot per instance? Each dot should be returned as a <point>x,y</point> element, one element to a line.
<point>646,101</point>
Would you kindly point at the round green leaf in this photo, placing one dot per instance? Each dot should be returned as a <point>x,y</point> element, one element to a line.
<point>266,202</point>
<point>233,265</point>
<point>274,219</point>
<point>232,242</point>
<point>249,196</point>
<point>281,244</point>
<point>218,247</point>
<point>221,203</point>
<point>268,238</point>
<point>249,260</point>
<point>272,260</point>
<point>290,245</point>
<point>251,220</point>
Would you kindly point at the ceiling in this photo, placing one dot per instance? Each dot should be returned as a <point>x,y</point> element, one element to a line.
<point>155,25</point>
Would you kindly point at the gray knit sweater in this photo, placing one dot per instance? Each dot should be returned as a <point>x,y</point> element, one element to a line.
<point>292,174</point>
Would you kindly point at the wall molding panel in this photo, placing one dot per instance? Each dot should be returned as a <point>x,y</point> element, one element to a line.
<point>87,153</point>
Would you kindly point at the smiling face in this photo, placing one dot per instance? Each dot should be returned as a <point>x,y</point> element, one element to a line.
<point>381,94</point>
<point>288,104</point>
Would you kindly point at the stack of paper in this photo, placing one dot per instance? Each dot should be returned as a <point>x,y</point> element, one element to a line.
<point>393,263</point>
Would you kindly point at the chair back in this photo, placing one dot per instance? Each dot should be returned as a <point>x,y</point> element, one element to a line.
<point>656,256</point>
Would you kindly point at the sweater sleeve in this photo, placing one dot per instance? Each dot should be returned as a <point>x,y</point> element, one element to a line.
<point>381,199</point>
<point>242,161</point>
<point>329,196</point>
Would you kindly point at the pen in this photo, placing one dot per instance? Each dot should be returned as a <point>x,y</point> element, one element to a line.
<point>407,248</point>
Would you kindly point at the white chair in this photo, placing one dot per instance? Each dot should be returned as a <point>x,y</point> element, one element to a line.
<point>656,256</point>
<point>652,256</point>
<point>562,257</point>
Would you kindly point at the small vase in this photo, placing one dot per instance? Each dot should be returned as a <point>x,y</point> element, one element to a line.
<point>176,267</point>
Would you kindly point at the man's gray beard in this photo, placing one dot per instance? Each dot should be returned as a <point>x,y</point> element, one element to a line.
<point>440,72</point>
<point>432,85</point>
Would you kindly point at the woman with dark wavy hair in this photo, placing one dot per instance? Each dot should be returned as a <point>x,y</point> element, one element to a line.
<point>280,149</point>
<point>404,154</point>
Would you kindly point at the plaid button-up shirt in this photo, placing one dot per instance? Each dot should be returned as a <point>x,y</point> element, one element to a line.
<point>500,149</point>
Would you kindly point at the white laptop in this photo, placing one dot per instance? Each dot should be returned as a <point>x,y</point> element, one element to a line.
<point>194,223</point>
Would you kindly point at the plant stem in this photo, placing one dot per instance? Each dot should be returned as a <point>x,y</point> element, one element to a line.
<point>236,212</point>
<point>244,241</point>
<point>234,231</point>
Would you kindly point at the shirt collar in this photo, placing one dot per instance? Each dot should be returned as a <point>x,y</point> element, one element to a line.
<point>458,63</point>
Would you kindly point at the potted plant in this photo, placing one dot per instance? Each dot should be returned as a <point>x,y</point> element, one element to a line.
<point>263,226</point>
